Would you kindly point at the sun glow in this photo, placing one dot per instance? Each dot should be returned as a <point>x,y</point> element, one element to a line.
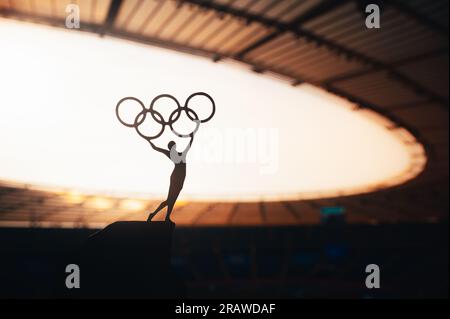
<point>267,140</point>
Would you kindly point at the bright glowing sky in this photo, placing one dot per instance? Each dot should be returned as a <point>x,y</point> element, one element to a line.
<point>58,126</point>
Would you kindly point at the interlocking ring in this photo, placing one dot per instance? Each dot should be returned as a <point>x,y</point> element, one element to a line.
<point>138,122</point>
<point>174,116</point>
<point>178,112</point>
<point>153,112</point>
<point>133,99</point>
<point>209,98</point>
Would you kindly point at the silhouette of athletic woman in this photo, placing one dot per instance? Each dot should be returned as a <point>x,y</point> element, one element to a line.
<point>177,177</point>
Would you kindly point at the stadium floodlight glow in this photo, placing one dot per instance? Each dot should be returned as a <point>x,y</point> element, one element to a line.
<point>268,140</point>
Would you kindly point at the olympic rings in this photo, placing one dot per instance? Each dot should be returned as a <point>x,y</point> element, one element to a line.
<point>178,112</point>
<point>209,98</point>
<point>162,122</point>
<point>117,111</point>
<point>174,116</point>
<point>143,114</point>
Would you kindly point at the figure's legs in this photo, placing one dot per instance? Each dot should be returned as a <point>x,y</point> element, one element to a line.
<point>171,199</point>
<point>169,210</point>
<point>161,206</point>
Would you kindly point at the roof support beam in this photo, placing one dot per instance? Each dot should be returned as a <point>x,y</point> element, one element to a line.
<point>281,27</point>
<point>314,12</point>
<point>96,28</point>
<point>295,27</point>
<point>113,11</point>
<point>426,21</point>
<point>395,64</point>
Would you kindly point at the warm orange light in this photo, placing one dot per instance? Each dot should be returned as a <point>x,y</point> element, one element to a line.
<point>132,205</point>
<point>99,203</point>
<point>74,197</point>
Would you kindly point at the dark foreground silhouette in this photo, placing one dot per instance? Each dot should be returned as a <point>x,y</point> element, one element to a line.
<point>130,260</point>
<point>176,178</point>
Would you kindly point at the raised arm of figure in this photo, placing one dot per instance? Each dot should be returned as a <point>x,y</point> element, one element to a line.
<point>161,150</point>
